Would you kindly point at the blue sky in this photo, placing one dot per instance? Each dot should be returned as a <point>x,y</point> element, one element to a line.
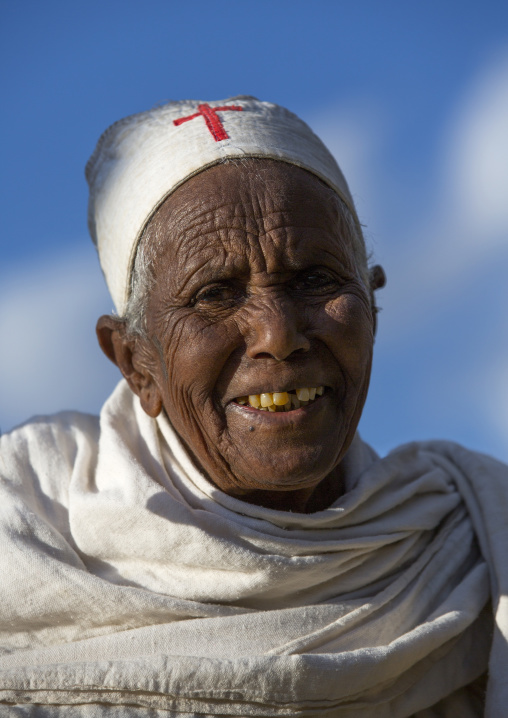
<point>412,98</point>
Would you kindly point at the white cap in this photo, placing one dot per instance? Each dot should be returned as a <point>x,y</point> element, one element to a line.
<point>141,159</point>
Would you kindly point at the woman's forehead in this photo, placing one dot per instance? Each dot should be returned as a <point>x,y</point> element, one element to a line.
<point>229,206</point>
<point>234,177</point>
<point>237,221</point>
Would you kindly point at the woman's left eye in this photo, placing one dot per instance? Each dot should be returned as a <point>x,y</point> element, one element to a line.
<point>314,280</point>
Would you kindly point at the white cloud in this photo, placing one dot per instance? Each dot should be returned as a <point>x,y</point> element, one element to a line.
<point>355,135</point>
<point>50,359</point>
<point>478,157</point>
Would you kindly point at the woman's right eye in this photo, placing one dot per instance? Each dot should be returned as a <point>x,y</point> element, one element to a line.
<point>218,294</point>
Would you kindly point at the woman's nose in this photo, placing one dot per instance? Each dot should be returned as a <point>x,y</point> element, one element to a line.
<point>274,329</point>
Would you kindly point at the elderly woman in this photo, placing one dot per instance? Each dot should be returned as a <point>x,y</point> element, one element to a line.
<point>220,542</point>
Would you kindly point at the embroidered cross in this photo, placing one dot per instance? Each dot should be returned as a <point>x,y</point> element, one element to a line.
<point>211,118</point>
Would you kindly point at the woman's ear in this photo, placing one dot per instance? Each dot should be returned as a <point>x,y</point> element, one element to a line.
<point>377,280</point>
<point>377,277</point>
<point>133,357</point>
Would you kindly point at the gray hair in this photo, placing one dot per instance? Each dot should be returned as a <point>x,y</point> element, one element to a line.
<point>143,277</point>
<point>152,243</point>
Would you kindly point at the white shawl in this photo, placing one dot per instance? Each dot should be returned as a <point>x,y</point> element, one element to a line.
<point>131,586</point>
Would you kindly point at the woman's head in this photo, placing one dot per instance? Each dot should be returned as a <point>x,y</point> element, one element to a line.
<point>233,253</point>
<point>252,279</point>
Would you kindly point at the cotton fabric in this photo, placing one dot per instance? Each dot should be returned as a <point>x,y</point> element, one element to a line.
<point>141,159</point>
<point>133,587</point>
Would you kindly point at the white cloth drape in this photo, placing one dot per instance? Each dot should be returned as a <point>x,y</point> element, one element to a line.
<point>131,586</point>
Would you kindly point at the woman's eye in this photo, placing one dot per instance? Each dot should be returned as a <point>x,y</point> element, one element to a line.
<point>218,294</point>
<point>315,281</point>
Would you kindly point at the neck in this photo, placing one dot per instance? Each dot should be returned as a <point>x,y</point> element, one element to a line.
<point>302,501</point>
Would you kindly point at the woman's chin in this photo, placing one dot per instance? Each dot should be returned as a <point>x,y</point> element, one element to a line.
<point>298,471</point>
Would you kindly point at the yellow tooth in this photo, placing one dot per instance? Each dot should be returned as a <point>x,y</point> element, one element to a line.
<point>287,406</point>
<point>242,400</point>
<point>254,400</point>
<point>266,399</point>
<point>320,390</point>
<point>280,398</point>
<point>303,394</point>
<point>295,401</point>
<point>263,408</point>
<point>272,407</point>
<point>312,393</point>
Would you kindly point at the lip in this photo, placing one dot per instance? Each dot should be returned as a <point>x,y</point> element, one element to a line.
<point>279,418</point>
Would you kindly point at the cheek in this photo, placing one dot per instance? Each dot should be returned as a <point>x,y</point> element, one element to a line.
<point>195,353</point>
<point>349,331</point>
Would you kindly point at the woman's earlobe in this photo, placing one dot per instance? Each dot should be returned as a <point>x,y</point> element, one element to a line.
<point>151,401</point>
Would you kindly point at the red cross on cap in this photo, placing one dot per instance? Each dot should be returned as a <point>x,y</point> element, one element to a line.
<point>212,120</point>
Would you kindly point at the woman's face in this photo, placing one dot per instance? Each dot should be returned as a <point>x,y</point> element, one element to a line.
<point>257,291</point>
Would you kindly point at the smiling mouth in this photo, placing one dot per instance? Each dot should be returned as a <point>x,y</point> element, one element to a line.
<point>281,400</point>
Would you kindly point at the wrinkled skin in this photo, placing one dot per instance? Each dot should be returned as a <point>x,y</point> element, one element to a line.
<point>258,289</point>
